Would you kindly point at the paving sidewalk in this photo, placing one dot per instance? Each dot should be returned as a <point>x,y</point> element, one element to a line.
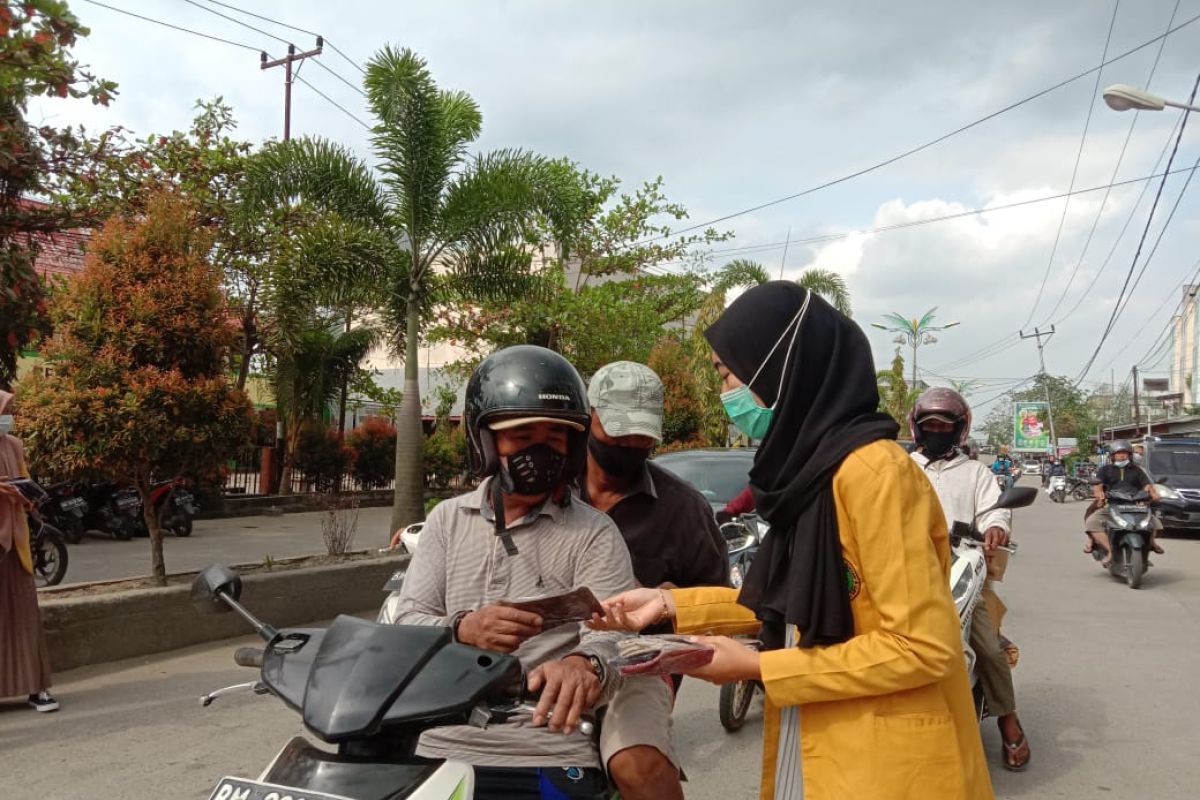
<point>233,540</point>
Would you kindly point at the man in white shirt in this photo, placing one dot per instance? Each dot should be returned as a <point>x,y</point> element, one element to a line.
<point>940,421</point>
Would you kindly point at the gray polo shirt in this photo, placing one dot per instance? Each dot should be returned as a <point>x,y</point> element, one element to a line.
<point>461,565</point>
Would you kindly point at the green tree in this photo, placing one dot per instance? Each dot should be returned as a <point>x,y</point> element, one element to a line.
<point>1074,416</point>
<point>433,216</point>
<point>830,285</point>
<point>36,37</point>
<point>139,389</point>
<point>895,397</point>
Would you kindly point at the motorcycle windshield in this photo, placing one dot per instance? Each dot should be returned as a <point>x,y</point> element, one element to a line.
<point>357,677</point>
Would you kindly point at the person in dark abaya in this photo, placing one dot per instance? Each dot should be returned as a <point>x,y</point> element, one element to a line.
<point>862,660</point>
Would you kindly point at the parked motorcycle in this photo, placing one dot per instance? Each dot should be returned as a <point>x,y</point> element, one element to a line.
<point>65,510</point>
<point>175,505</point>
<point>1080,488</point>
<point>47,544</point>
<point>968,573</point>
<point>111,510</point>
<point>743,535</point>
<point>370,690</point>
<point>1129,533</point>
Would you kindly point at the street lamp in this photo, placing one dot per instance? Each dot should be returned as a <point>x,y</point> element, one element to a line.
<point>1123,97</point>
<point>913,332</point>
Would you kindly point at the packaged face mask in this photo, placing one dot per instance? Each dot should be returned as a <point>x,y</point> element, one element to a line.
<point>661,655</point>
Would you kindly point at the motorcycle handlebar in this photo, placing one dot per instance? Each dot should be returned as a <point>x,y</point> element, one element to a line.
<point>248,657</point>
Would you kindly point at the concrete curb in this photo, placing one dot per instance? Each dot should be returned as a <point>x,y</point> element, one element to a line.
<point>138,622</point>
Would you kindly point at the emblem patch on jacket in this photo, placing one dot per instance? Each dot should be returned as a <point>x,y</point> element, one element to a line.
<point>853,580</point>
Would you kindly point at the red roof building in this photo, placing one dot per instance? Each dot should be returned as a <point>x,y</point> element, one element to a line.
<point>61,253</point>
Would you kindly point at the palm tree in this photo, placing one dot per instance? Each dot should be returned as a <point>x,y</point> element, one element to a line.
<point>432,206</point>
<point>829,285</point>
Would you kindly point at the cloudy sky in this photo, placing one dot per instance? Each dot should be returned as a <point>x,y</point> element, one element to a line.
<point>737,104</point>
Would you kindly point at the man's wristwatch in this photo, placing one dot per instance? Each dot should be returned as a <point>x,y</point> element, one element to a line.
<point>597,667</point>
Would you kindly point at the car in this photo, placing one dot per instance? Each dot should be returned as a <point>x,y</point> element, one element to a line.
<point>1174,466</point>
<point>718,473</point>
<point>1031,468</point>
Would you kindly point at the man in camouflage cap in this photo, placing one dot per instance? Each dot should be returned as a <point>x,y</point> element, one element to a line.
<point>673,540</point>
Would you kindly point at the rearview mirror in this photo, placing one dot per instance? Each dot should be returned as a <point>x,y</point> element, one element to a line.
<point>211,583</point>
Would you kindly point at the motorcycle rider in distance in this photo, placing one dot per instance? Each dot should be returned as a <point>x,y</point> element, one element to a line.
<point>1003,466</point>
<point>523,534</point>
<point>940,421</point>
<point>1121,475</point>
<point>1056,468</point>
<point>673,541</point>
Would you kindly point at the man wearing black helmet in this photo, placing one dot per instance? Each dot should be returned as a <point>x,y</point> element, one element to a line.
<point>521,535</point>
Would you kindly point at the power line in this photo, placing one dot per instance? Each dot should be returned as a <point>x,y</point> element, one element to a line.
<point>830,237</point>
<point>1087,122</point>
<point>1117,307</point>
<point>926,145</point>
<point>176,27</point>
<point>1116,169</point>
<point>332,46</point>
<point>242,45</point>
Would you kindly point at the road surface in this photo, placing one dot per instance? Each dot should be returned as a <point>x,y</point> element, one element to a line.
<point>1105,686</point>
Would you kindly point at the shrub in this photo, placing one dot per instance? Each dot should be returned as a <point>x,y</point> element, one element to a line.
<point>374,445</point>
<point>322,458</point>
<point>445,456</point>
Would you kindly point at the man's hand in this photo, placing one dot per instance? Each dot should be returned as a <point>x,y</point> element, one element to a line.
<point>733,661</point>
<point>395,542</point>
<point>497,627</point>
<point>568,688</point>
<point>994,537</point>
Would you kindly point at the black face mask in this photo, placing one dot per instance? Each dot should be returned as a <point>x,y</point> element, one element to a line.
<point>938,444</point>
<point>620,462</point>
<point>536,469</point>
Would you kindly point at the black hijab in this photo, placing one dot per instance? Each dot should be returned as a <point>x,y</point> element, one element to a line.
<point>826,402</point>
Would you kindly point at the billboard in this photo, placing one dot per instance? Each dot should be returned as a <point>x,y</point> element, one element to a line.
<point>1031,427</point>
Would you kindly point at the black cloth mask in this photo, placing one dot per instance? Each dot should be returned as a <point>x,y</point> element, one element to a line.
<point>620,462</point>
<point>827,408</point>
<point>937,445</point>
<point>536,469</point>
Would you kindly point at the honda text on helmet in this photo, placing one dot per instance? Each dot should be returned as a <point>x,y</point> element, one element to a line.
<point>946,406</point>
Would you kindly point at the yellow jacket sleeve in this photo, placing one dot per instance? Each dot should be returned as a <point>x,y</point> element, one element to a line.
<point>888,516</point>
<point>712,609</point>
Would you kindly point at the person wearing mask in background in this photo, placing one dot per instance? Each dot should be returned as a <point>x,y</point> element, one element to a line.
<point>940,421</point>
<point>1003,466</point>
<point>673,541</point>
<point>523,534</point>
<point>863,666</point>
<point>24,657</point>
<point>1120,475</point>
<point>1139,455</point>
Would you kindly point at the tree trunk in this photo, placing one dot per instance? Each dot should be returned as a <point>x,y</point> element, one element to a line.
<point>291,440</point>
<point>409,503</point>
<point>249,340</point>
<point>150,517</point>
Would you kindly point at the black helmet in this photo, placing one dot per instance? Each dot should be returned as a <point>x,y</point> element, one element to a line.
<point>525,381</point>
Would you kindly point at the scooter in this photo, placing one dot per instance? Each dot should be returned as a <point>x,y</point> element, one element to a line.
<point>47,544</point>
<point>1129,533</point>
<point>743,535</point>
<point>175,505</point>
<point>111,510</point>
<point>968,573</point>
<point>1080,488</point>
<point>1057,488</point>
<point>370,690</point>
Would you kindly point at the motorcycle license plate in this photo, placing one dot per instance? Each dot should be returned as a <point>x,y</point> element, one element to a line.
<point>72,503</point>
<point>242,789</point>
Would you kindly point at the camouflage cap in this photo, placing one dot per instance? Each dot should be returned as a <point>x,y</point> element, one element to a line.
<point>628,398</point>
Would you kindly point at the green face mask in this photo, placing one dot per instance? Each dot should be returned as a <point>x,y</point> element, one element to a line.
<point>750,418</point>
<point>743,410</point>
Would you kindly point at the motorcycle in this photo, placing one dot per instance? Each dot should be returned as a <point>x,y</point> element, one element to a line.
<point>968,574</point>
<point>1080,488</point>
<point>410,537</point>
<point>111,510</point>
<point>370,690</point>
<point>47,544</point>
<point>65,510</point>
<point>1129,533</point>
<point>175,505</point>
<point>1057,488</point>
<point>743,535</point>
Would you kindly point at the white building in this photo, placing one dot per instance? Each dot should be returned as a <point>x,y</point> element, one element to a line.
<point>1185,350</point>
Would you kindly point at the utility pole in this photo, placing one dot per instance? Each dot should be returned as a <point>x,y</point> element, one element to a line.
<point>783,260</point>
<point>287,62</point>
<point>1137,404</point>
<point>1038,334</point>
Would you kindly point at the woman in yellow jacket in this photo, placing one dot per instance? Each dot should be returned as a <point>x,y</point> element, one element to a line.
<point>867,691</point>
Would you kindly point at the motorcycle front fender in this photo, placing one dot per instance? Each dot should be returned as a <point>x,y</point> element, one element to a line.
<point>1133,539</point>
